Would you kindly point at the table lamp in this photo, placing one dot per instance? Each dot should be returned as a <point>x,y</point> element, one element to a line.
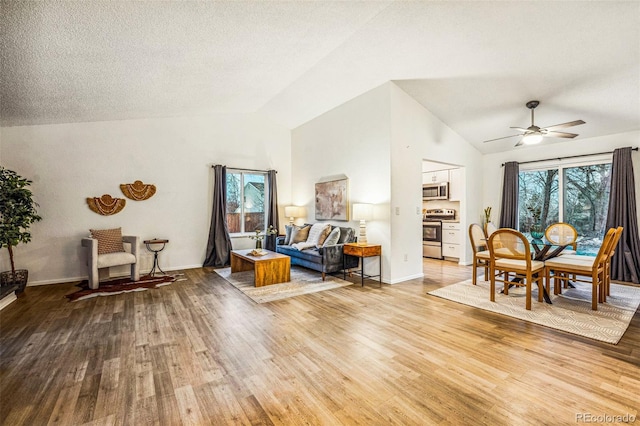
<point>292,212</point>
<point>363,212</point>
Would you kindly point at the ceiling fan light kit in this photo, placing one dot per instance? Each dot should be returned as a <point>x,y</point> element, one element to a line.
<point>534,134</point>
<point>532,138</point>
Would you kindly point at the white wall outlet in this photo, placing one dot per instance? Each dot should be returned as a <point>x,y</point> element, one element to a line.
<point>397,211</point>
<point>406,257</point>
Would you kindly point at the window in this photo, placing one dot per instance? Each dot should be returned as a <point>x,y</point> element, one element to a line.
<point>246,195</point>
<point>576,194</point>
<point>538,199</point>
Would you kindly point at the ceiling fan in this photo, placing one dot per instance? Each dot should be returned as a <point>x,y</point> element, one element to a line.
<point>534,134</point>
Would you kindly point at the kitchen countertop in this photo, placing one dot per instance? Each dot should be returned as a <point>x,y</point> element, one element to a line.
<point>450,220</point>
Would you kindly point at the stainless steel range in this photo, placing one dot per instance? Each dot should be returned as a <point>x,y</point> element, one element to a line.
<point>432,231</point>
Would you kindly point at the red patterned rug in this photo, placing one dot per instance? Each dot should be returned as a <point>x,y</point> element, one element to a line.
<point>122,285</point>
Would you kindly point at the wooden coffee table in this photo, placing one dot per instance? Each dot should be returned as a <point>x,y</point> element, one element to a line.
<point>271,268</point>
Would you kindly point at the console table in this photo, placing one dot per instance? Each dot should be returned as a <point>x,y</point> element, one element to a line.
<point>362,251</point>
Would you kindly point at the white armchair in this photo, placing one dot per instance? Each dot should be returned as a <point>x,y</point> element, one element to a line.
<point>97,261</point>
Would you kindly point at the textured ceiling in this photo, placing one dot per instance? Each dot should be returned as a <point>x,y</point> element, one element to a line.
<point>473,64</point>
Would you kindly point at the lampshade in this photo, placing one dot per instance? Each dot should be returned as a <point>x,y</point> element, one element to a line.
<point>292,211</point>
<point>532,138</point>
<point>362,211</point>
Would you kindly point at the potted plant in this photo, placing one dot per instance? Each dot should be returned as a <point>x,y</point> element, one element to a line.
<point>536,227</point>
<point>259,237</point>
<point>487,215</point>
<point>17,213</point>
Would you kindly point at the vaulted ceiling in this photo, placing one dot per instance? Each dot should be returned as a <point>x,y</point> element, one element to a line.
<point>472,64</point>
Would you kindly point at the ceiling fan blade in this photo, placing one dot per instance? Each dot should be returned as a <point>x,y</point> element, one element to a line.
<point>519,143</point>
<point>561,135</point>
<point>520,128</point>
<point>563,125</point>
<point>504,137</point>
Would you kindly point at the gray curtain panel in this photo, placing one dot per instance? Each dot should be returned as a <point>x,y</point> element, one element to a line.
<point>625,264</point>
<point>509,209</point>
<point>219,244</point>
<point>272,212</point>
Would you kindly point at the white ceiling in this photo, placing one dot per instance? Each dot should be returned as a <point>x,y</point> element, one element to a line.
<point>473,64</point>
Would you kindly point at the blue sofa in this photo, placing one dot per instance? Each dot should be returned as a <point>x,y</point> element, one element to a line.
<point>326,259</point>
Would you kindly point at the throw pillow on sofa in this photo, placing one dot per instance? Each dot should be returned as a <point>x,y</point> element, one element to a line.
<point>315,232</point>
<point>332,238</point>
<point>287,234</point>
<point>324,235</point>
<point>299,234</point>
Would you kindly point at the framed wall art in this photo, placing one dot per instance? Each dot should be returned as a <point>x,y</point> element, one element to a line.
<point>332,200</point>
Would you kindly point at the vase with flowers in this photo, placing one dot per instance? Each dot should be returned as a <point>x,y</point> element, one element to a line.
<point>259,236</point>
<point>536,227</point>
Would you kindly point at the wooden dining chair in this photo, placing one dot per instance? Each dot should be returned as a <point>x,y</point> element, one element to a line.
<point>510,253</point>
<point>563,234</point>
<point>481,255</point>
<point>593,269</point>
<point>612,250</point>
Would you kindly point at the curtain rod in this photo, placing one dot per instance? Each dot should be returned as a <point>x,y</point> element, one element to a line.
<point>245,170</point>
<point>571,156</point>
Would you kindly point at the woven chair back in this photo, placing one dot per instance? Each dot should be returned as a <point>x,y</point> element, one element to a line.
<point>561,234</point>
<point>509,244</point>
<point>477,237</point>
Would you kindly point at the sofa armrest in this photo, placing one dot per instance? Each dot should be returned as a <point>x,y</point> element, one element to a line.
<point>331,254</point>
<point>280,240</point>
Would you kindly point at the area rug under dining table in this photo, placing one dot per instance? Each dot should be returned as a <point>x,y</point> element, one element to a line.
<point>570,311</point>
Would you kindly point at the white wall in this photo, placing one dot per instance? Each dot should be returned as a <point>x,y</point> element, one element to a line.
<point>493,170</point>
<point>351,140</point>
<point>70,162</point>
<point>379,141</point>
<point>418,135</point>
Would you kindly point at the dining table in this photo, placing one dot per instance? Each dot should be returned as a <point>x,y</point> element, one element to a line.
<point>544,251</point>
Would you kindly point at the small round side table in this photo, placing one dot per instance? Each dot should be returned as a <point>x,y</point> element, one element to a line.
<point>155,242</point>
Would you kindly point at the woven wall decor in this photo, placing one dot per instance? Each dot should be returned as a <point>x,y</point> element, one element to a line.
<point>106,205</point>
<point>138,191</point>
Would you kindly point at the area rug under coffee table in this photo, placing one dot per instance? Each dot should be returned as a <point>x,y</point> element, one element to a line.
<point>303,281</point>
<point>570,312</point>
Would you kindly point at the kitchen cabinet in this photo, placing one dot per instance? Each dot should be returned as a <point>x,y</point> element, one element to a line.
<point>451,240</point>
<point>456,179</point>
<point>436,176</point>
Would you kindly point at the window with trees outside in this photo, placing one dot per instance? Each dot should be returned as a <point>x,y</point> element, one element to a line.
<point>246,195</point>
<point>576,194</point>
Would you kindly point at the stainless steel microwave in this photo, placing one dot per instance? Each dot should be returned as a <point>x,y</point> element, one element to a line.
<point>435,191</point>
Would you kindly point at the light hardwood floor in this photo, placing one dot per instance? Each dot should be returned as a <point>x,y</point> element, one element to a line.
<point>199,352</point>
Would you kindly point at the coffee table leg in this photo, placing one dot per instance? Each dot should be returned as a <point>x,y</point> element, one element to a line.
<point>238,264</point>
<point>272,272</point>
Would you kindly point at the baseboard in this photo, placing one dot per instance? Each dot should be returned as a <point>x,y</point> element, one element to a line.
<point>84,277</point>
<point>406,278</point>
<point>9,298</point>
<point>55,281</point>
